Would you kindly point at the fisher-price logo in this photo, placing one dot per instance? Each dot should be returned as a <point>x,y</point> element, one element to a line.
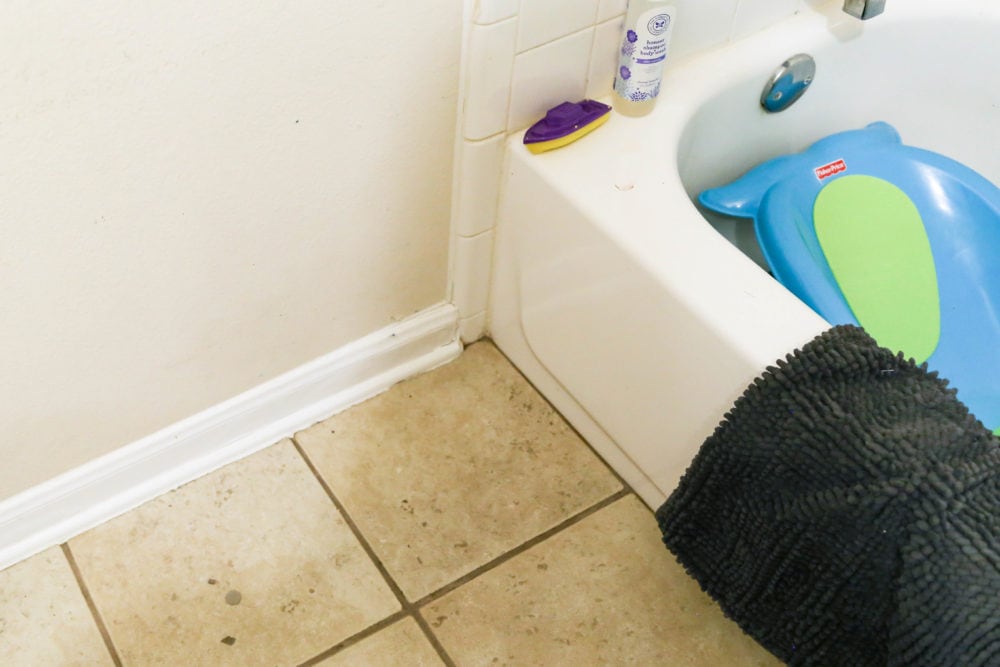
<point>831,169</point>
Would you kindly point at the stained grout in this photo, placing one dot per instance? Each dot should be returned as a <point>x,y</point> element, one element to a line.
<point>102,628</point>
<point>357,637</point>
<point>365,544</point>
<point>407,607</point>
<point>412,609</point>
<point>432,638</point>
<point>521,548</point>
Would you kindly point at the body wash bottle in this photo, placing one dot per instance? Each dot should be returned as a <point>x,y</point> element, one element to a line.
<point>644,48</point>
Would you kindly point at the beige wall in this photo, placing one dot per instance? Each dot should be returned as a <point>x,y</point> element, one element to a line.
<point>198,196</point>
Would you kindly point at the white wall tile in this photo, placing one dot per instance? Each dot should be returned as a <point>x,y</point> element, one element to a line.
<point>609,9</point>
<point>604,57</point>
<point>471,329</point>
<point>480,165</point>
<point>472,264</point>
<point>549,75</point>
<point>700,25</point>
<point>545,20</point>
<point>491,11</point>
<point>753,15</point>
<point>490,60</point>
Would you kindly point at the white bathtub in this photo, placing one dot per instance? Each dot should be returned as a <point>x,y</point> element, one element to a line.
<point>637,318</point>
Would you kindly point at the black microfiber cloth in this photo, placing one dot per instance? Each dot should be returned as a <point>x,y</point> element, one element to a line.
<point>847,512</point>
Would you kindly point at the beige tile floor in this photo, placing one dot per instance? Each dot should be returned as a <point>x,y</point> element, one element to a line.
<point>455,519</point>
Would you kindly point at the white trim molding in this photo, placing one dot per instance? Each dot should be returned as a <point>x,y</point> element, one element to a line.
<point>67,505</point>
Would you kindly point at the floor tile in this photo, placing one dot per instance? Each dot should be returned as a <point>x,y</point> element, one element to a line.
<point>44,619</point>
<point>251,565</point>
<point>450,469</point>
<point>605,591</point>
<point>402,644</point>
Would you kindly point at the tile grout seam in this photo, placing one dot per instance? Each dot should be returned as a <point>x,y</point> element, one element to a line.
<point>357,637</point>
<point>524,546</point>
<point>91,605</point>
<point>413,608</point>
<point>407,608</point>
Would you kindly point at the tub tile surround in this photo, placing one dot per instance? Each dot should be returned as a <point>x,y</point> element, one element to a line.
<point>491,11</point>
<point>473,259</point>
<point>523,57</point>
<point>471,328</point>
<point>482,162</point>
<point>542,21</point>
<point>548,75</point>
<point>609,9</point>
<point>489,61</point>
<point>604,58</point>
<point>454,519</point>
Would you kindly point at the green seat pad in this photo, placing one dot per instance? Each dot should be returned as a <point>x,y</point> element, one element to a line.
<point>875,244</point>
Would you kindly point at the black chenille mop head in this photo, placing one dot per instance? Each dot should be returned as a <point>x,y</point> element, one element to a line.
<point>847,512</point>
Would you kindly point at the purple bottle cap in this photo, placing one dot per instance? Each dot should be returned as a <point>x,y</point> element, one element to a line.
<point>564,119</point>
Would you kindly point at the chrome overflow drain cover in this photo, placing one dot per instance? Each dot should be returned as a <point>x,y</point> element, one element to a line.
<point>788,83</point>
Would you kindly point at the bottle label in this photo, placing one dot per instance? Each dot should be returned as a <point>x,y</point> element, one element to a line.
<point>642,55</point>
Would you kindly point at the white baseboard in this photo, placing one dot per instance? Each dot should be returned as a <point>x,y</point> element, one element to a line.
<point>67,505</point>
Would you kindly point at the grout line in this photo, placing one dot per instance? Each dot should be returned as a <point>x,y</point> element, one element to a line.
<point>353,526</point>
<point>412,609</point>
<point>518,550</point>
<point>517,30</point>
<point>105,635</point>
<point>477,235</point>
<point>576,32</point>
<point>590,57</point>
<point>356,638</point>
<point>407,607</point>
<point>493,137</point>
<point>432,638</point>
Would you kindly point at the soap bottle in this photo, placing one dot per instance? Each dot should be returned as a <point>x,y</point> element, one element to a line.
<point>644,48</point>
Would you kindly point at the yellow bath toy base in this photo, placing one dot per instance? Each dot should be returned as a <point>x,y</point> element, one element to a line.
<point>542,146</point>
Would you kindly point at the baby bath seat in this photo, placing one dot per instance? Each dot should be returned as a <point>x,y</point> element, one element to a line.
<point>899,240</point>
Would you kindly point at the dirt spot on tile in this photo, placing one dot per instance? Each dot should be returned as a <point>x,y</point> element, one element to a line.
<point>228,640</point>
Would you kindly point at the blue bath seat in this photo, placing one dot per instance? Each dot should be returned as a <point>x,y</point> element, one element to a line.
<point>899,240</point>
